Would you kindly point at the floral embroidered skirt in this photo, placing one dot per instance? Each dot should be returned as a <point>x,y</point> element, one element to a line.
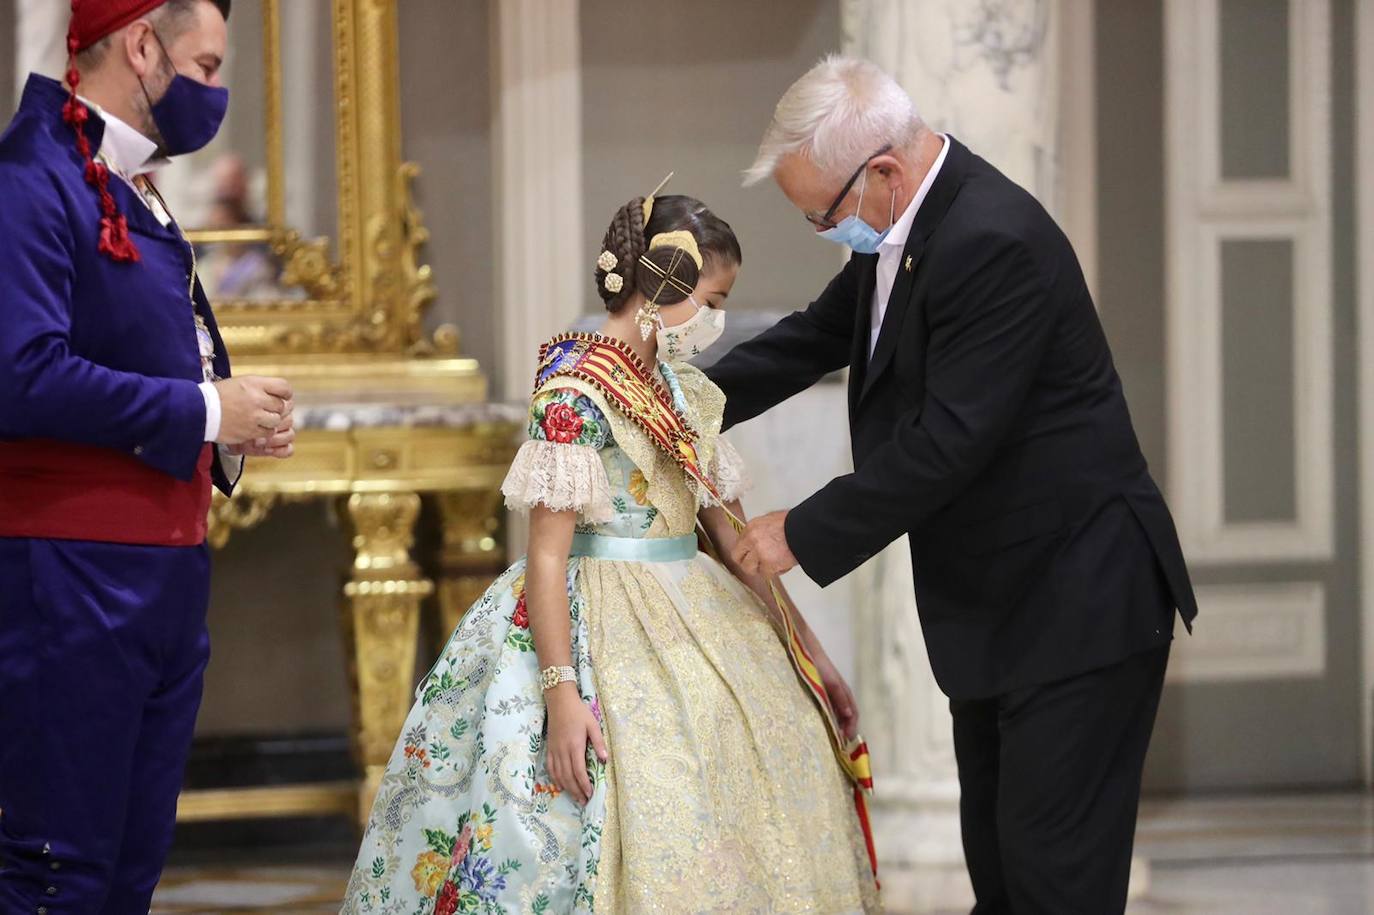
<point>721,793</point>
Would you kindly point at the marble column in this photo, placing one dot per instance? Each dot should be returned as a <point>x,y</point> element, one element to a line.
<point>985,72</point>
<point>541,262</point>
<point>40,39</point>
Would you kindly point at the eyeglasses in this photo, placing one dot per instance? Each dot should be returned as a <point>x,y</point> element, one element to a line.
<point>827,221</point>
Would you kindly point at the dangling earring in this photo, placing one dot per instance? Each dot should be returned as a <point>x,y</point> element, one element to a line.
<point>647,319</point>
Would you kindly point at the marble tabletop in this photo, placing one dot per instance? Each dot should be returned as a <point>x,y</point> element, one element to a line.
<point>343,416</point>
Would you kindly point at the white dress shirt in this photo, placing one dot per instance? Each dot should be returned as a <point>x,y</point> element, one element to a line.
<point>890,251</point>
<point>129,154</point>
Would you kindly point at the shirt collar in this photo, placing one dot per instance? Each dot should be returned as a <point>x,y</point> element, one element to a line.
<point>129,152</point>
<point>901,229</point>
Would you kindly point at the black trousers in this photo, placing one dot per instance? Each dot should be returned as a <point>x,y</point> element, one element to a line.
<point>1050,785</point>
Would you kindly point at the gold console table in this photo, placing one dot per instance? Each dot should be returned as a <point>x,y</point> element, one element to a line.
<point>379,461</point>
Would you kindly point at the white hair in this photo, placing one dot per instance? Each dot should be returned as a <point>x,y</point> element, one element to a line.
<point>838,114</point>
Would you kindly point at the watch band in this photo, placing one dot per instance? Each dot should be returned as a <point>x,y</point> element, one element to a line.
<point>550,677</point>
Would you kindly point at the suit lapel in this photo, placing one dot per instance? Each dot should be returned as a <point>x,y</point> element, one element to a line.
<point>863,318</point>
<point>897,304</point>
<point>928,217</point>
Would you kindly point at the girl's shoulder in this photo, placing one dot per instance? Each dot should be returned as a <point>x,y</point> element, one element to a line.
<point>568,412</point>
<point>704,400</point>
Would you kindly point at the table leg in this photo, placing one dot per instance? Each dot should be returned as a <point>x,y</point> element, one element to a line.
<point>381,615</point>
<point>473,552</point>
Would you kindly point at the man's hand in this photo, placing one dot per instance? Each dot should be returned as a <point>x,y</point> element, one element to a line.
<point>762,549</point>
<point>253,409</point>
<point>280,444</point>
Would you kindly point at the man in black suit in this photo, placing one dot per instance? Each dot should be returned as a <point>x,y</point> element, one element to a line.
<point>988,424</point>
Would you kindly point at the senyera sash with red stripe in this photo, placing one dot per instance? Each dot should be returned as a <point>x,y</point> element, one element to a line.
<point>614,370</point>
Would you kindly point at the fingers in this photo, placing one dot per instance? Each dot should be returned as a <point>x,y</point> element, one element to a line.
<point>745,555</point>
<point>279,439</point>
<point>567,767</point>
<point>580,777</point>
<point>848,720</point>
<point>280,445</point>
<point>277,387</point>
<point>554,763</point>
<point>598,742</point>
<point>848,713</point>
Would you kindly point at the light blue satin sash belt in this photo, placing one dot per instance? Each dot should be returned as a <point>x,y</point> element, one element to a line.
<point>635,549</point>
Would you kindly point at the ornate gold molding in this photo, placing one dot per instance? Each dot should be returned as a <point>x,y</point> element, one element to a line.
<point>381,623</point>
<point>366,289</point>
<point>473,550</point>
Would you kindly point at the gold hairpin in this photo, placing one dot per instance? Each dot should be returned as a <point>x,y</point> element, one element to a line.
<point>649,201</point>
<point>667,278</point>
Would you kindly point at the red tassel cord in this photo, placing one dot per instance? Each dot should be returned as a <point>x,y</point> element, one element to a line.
<point>115,242</point>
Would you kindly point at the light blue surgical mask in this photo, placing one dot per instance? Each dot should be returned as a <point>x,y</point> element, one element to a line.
<point>857,234</point>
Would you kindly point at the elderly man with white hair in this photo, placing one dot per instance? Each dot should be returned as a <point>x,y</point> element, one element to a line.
<point>988,424</point>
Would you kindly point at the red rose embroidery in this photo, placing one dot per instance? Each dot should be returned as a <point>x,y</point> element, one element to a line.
<point>447,903</point>
<point>562,424</point>
<point>522,614</point>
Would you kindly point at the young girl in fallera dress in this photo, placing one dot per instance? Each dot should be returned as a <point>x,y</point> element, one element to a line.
<point>616,726</point>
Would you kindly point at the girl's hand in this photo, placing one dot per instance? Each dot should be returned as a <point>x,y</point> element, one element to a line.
<point>571,726</point>
<point>841,696</point>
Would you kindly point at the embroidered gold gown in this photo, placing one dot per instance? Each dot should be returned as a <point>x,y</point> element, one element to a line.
<point>721,794</point>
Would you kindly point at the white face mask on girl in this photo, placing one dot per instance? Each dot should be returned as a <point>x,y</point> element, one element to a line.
<point>691,337</point>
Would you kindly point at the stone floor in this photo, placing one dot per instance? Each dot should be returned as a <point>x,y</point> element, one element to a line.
<point>1298,855</point>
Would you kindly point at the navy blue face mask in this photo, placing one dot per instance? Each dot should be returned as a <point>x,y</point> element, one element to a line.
<point>189,114</point>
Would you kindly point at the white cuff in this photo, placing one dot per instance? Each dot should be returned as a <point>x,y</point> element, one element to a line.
<point>212,410</point>
<point>231,464</point>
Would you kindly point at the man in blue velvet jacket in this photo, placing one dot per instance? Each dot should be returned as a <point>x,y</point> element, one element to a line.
<point>117,416</point>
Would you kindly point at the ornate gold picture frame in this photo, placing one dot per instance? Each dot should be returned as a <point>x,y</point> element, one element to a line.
<point>365,290</point>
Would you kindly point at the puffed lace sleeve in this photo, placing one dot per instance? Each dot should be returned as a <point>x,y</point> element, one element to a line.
<point>559,467</point>
<point>729,472</point>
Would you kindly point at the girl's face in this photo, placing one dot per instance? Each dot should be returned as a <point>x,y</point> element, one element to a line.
<point>713,287</point>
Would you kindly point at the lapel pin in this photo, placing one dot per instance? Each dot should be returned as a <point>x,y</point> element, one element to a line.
<point>907,265</point>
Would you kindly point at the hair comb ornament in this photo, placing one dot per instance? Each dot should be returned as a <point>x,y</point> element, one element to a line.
<point>607,261</point>
<point>614,282</point>
<point>679,238</point>
<point>649,201</point>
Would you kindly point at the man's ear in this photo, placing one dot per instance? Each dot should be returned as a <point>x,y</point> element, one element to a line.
<point>888,167</point>
<point>140,48</point>
<point>889,171</point>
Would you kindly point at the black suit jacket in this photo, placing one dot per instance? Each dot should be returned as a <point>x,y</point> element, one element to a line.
<point>990,426</point>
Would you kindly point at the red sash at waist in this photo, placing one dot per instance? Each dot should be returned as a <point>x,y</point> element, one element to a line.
<point>59,491</point>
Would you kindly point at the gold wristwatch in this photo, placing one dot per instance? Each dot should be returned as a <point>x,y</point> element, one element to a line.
<point>550,677</point>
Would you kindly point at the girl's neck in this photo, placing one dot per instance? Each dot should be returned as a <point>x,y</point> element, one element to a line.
<point>622,326</point>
